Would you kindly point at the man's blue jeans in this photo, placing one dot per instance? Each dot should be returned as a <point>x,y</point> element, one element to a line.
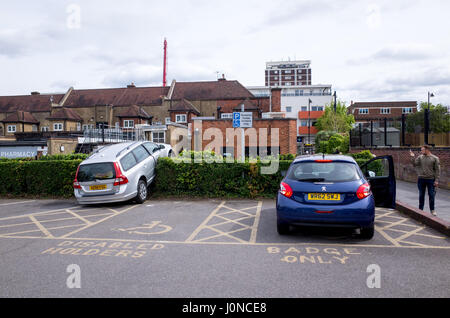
<point>423,184</point>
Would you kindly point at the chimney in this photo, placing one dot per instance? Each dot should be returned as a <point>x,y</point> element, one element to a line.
<point>35,93</point>
<point>276,100</point>
<point>131,85</point>
<point>223,78</point>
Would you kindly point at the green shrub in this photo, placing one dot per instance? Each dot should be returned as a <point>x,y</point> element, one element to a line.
<point>47,178</point>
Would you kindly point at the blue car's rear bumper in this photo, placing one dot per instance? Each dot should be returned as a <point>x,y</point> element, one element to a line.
<point>357,214</point>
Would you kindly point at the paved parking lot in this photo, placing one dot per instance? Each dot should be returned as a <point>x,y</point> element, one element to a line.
<point>209,248</point>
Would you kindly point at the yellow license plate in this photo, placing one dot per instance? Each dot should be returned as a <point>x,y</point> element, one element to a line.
<point>324,197</point>
<point>98,187</point>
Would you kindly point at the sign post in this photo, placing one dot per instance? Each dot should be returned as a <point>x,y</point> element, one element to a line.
<point>242,120</point>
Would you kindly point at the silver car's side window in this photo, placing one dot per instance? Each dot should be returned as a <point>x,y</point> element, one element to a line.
<point>128,162</point>
<point>140,153</point>
<point>150,147</point>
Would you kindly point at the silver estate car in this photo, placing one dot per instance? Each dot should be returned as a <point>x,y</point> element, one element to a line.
<point>119,172</point>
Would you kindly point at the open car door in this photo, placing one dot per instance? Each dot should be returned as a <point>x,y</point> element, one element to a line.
<point>381,175</point>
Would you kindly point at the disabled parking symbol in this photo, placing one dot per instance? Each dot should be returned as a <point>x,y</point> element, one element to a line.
<point>153,228</point>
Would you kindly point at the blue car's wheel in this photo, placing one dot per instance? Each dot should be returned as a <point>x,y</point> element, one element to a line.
<point>283,228</point>
<point>367,232</point>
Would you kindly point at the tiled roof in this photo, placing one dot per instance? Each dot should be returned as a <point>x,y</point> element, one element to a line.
<point>65,114</point>
<point>21,117</point>
<point>216,90</point>
<point>383,104</point>
<point>134,111</point>
<point>183,105</point>
<point>29,103</point>
<point>148,96</point>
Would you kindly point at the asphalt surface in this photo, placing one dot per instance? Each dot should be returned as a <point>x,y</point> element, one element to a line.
<point>208,248</point>
<point>407,192</point>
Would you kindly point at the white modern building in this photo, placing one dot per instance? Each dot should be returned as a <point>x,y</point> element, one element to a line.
<point>295,102</point>
<point>288,73</point>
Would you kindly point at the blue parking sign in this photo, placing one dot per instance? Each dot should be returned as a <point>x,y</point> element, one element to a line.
<point>236,120</point>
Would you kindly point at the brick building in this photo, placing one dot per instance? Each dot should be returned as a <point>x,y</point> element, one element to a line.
<point>128,107</point>
<point>366,111</point>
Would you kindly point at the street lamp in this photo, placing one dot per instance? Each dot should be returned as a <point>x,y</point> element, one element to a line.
<point>309,121</point>
<point>427,118</point>
<point>335,101</point>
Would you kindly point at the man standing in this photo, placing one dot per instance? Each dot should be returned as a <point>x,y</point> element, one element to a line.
<point>428,167</point>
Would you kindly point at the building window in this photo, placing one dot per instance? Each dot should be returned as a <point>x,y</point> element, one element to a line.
<point>287,77</point>
<point>275,78</point>
<point>363,111</point>
<point>128,124</point>
<point>116,125</point>
<point>44,129</point>
<point>168,121</point>
<point>181,119</point>
<point>317,108</point>
<point>304,123</point>
<point>57,127</point>
<point>407,110</point>
<point>385,111</point>
<point>78,126</point>
<point>12,129</point>
<point>289,109</point>
<point>159,137</point>
<point>304,108</point>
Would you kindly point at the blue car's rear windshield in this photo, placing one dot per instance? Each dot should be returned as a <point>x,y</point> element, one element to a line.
<point>324,172</point>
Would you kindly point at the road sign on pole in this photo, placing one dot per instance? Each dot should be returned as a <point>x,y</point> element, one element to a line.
<point>242,120</point>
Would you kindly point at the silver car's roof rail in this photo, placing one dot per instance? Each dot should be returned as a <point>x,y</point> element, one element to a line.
<point>127,148</point>
<point>97,151</point>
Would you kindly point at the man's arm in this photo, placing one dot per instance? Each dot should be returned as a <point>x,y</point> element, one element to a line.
<point>415,161</point>
<point>437,171</point>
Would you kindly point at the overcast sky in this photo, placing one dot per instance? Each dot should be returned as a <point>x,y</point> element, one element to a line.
<point>368,50</point>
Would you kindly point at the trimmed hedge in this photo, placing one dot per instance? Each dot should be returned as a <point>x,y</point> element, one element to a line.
<point>216,179</point>
<point>53,178</point>
<point>47,178</point>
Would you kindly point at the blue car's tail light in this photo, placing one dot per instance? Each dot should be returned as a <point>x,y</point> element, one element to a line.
<point>363,191</point>
<point>286,190</point>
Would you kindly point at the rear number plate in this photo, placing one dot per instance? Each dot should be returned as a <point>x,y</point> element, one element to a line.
<point>324,197</point>
<point>98,187</point>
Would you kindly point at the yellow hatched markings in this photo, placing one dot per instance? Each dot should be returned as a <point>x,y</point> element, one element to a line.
<point>401,221</point>
<point>43,225</point>
<point>217,214</point>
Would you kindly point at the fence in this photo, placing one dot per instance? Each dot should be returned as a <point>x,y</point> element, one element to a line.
<point>388,132</point>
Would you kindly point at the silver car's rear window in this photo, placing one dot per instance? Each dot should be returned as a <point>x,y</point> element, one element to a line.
<point>324,172</point>
<point>96,171</point>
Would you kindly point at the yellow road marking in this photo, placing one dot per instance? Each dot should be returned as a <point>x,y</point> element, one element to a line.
<point>98,222</point>
<point>406,235</point>
<point>5,204</point>
<point>387,237</point>
<point>228,243</point>
<point>31,231</point>
<point>201,226</point>
<point>79,217</point>
<point>256,223</point>
<point>40,226</point>
<point>52,220</point>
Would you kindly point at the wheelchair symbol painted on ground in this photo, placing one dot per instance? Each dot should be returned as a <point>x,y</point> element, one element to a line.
<point>153,228</point>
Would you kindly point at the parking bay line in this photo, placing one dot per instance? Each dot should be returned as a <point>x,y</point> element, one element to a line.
<point>225,243</point>
<point>12,203</point>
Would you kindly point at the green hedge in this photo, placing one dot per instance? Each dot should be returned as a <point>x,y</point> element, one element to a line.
<point>46,178</point>
<point>53,178</point>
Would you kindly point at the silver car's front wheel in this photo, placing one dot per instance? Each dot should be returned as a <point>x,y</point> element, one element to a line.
<point>141,192</point>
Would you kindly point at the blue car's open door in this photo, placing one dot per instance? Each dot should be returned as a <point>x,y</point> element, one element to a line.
<point>380,173</point>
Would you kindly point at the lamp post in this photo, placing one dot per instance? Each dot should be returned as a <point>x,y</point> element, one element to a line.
<point>427,118</point>
<point>309,121</point>
<point>335,102</point>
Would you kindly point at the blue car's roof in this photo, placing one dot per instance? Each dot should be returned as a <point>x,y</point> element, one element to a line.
<point>324,157</point>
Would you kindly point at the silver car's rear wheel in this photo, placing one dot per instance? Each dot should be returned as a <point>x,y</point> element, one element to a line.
<point>141,192</point>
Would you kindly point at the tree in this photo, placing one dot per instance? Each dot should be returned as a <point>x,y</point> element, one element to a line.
<point>338,121</point>
<point>439,119</point>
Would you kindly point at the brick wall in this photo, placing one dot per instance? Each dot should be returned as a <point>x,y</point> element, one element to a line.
<point>287,133</point>
<point>404,170</point>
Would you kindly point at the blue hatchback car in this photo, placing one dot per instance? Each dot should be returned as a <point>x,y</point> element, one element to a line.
<point>333,191</point>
